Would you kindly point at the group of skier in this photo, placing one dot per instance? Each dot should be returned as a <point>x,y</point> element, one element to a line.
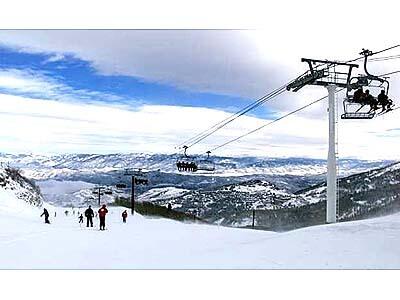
<point>89,214</point>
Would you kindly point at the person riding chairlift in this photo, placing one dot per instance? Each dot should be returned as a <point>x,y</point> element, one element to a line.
<point>384,100</point>
<point>370,100</point>
<point>359,96</point>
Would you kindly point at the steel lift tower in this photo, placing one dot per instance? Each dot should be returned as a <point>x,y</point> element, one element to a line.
<point>330,74</point>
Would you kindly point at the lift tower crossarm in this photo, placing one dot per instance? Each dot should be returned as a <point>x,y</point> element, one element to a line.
<point>323,77</point>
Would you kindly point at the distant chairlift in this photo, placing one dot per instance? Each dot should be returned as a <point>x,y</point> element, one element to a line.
<point>121,185</point>
<point>361,104</point>
<point>186,163</point>
<point>206,164</point>
<point>139,175</point>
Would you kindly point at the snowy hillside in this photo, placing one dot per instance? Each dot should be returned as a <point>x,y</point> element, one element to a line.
<point>363,195</point>
<point>163,244</point>
<point>16,192</point>
<point>365,191</point>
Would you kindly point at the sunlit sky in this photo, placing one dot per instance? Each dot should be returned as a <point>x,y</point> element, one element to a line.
<point>104,91</point>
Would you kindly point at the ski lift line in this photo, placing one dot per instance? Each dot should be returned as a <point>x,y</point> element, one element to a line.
<point>384,58</point>
<point>213,129</point>
<point>387,49</point>
<point>232,117</point>
<point>201,136</point>
<point>243,111</point>
<point>237,113</point>
<point>377,52</point>
<point>390,73</point>
<point>231,120</point>
<point>273,121</point>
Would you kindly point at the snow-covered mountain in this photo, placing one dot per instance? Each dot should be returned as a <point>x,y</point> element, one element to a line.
<point>84,171</point>
<point>69,165</point>
<point>362,193</point>
<point>17,193</point>
<point>370,193</point>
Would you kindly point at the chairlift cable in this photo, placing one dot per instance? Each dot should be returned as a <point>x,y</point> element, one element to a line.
<point>273,121</point>
<point>201,136</point>
<point>232,117</point>
<point>275,94</point>
<point>384,58</point>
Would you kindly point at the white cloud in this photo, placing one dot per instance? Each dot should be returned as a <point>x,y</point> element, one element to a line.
<point>41,85</point>
<point>55,58</point>
<point>45,126</point>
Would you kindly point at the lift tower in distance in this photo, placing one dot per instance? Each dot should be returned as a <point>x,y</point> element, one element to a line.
<point>330,74</point>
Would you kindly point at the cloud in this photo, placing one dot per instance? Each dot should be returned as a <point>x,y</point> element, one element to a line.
<point>40,85</point>
<point>55,58</point>
<point>246,63</point>
<point>224,62</point>
<point>46,126</point>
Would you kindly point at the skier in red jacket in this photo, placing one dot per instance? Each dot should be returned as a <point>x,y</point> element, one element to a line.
<point>102,216</point>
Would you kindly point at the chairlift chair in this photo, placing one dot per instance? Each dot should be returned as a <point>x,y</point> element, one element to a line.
<point>186,163</point>
<point>362,110</point>
<point>206,164</point>
<point>140,177</point>
<point>120,185</point>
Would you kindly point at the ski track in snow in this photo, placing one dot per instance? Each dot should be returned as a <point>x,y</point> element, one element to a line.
<point>149,243</point>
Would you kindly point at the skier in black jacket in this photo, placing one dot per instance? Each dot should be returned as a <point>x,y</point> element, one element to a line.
<point>46,216</point>
<point>89,214</point>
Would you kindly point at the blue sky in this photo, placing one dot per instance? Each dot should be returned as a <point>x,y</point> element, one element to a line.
<point>80,75</point>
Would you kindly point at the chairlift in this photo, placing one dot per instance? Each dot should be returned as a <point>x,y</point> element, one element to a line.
<point>361,104</point>
<point>121,185</point>
<point>206,164</point>
<point>140,177</point>
<point>186,163</point>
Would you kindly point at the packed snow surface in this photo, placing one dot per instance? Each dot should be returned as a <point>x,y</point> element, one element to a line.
<point>148,243</point>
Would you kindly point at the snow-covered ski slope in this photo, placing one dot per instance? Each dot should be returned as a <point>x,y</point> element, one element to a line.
<point>144,243</point>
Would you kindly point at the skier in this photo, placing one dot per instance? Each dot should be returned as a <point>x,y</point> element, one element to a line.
<point>55,214</point>
<point>66,213</point>
<point>89,216</point>
<point>80,219</point>
<point>169,207</point>
<point>124,216</point>
<point>46,216</point>
<point>102,215</point>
